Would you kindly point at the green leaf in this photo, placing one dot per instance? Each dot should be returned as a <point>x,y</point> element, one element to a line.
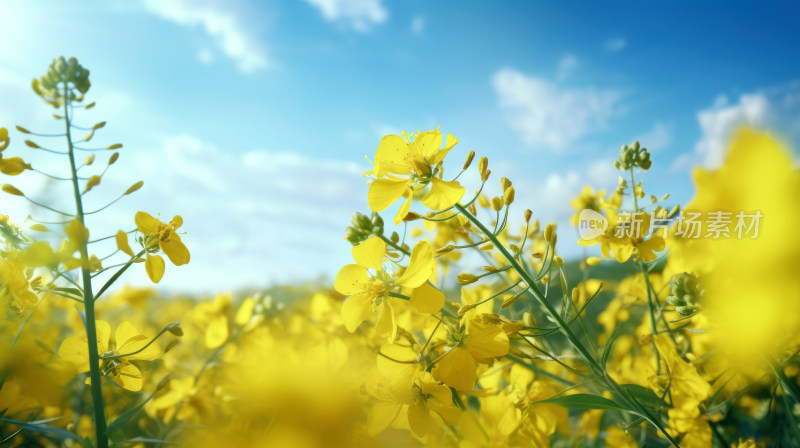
<point>584,401</point>
<point>41,428</point>
<point>609,345</point>
<point>645,396</point>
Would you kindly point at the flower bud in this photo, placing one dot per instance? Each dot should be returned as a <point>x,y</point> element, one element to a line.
<point>467,278</point>
<point>505,183</point>
<point>593,261</point>
<point>485,175</point>
<point>559,261</point>
<point>508,195</point>
<point>497,204</point>
<point>10,189</point>
<point>468,162</point>
<point>528,214</point>
<point>549,231</point>
<point>483,164</point>
<point>89,160</point>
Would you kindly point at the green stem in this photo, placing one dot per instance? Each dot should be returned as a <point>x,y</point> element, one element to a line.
<point>571,336</point>
<point>650,305</point>
<point>101,430</point>
<point>591,361</point>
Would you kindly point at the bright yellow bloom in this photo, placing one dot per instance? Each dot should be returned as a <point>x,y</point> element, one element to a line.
<point>367,291</point>
<point>587,200</point>
<point>404,166</point>
<point>164,236</point>
<point>403,388</point>
<point>484,341</point>
<point>129,345</point>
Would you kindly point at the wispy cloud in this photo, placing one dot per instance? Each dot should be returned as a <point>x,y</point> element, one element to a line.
<point>222,22</point>
<point>615,44</point>
<point>566,65</point>
<point>718,123</point>
<point>547,114</point>
<point>657,138</point>
<point>417,24</point>
<point>360,15</point>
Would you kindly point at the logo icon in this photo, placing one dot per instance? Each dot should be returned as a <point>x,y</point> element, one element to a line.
<point>591,224</point>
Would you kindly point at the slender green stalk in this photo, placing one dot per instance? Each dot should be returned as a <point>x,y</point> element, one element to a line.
<point>573,338</point>
<point>650,304</point>
<point>101,429</point>
<point>563,326</point>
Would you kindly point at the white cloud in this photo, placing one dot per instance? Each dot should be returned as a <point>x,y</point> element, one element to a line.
<point>224,23</point>
<point>417,24</point>
<point>718,123</point>
<point>253,218</point>
<point>566,66</point>
<point>360,15</point>
<point>547,114</point>
<point>615,44</point>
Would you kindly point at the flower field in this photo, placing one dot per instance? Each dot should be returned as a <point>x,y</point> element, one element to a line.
<point>457,322</point>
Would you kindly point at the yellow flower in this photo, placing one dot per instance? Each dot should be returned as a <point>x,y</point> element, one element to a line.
<point>404,166</point>
<point>369,290</point>
<point>588,199</point>
<point>484,341</point>
<point>130,345</point>
<point>404,387</point>
<point>158,234</point>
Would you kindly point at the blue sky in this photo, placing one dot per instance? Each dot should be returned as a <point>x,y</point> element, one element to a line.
<point>252,119</point>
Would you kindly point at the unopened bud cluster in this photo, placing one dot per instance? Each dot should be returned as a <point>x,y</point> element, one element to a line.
<point>363,227</point>
<point>633,156</point>
<point>685,293</point>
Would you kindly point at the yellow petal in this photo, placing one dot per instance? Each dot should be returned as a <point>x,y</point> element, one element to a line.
<point>427,299</point>
<point>485,339</point>
<point>350,279</point>
<point>456,369</point>
<point>76,232</point>
<point>146,224</point>
<point>443,194</point>
<point>154,265</point>
<point>402,212</point>
<point>176,251</point>
<point>391,156</point>
<point>122,243</point>
<point>419,419</point>
<point>217,332</point>
<point>384,192</point>
<point>356,309</point>
<point>370,252</point>
<point>428,142</point>
<point>75,351</point>
<point>387,323</point>
<point>420,266</point>
<point>245,311</point>
<point>129,377</point>
<point>381,415</point>
<point>103,335</point>
<point>129,340</point>
<point>438,157</point>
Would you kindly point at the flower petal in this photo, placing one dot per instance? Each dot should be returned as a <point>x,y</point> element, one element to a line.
<point>427,299</point>
<point>356,309</point>
<point>154,265</point>
<point>404,209</point>
<point>456,369</point>
<point>349,278</point>
<point>176,251</point>
<point>146,224</point>
<point>438,157</point>
<point>370,252</point>
<point>391,156</point>
<point>420,266</point>
<point>384,192</point>
<point>443,194</point>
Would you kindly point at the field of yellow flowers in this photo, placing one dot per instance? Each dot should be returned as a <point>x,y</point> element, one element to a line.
<point>468,330</point>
